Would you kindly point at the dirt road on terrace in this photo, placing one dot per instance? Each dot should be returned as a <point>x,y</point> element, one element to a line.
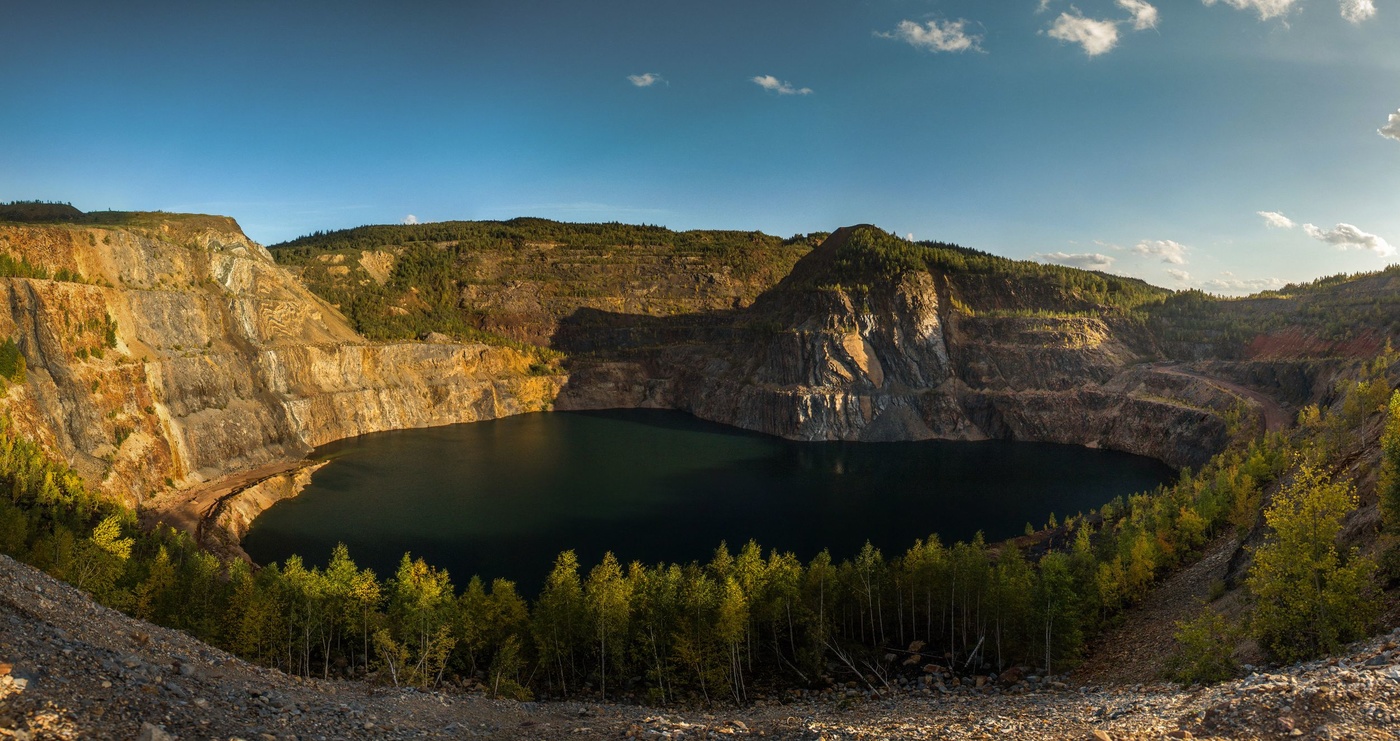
<point>188,509</point>
<point>1275,416</point>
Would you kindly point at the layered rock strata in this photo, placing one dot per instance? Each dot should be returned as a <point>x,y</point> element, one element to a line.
<point>171,357</point>
<point>894,360</point>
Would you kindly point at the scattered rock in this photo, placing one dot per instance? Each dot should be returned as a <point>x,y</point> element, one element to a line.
<point>150,732</point>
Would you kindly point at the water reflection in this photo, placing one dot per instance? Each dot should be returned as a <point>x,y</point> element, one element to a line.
<point>502,498</point>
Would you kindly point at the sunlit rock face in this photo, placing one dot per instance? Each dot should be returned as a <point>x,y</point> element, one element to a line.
<point>898,360</point>
<point>183,353</point>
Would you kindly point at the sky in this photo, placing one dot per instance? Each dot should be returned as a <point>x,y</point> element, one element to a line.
<point>1229,145</point>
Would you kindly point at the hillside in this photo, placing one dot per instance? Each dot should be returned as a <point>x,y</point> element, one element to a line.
<point>169,353</point>
<point>1342,315</point>
<point>517,279</point>
<point>171,367</point>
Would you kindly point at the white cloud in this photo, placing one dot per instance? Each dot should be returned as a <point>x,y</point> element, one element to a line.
<point>1357,11</point>
<point>769,82</point>
<point>1229,284</point>
<point>1346,236</point>
<point>1265,8</point>
<point>1180,275</point>
<point>1391,129</point>
<point>1170,252</point>
<point>937,36</point>
<point>1097,37</point>
<point>1145,14</point>
<point>646,79</point>
<point>1276,220</point>
<point>410,219</point>
<point>1085,260</point>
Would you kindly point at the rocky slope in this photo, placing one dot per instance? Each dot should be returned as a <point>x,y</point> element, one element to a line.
<point>999,349</point>
<point>177,353</point>
<point>71,669</point>
<point>905,358</point>
<point>176,359</point>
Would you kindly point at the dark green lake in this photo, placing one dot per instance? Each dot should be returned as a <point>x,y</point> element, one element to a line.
<point>503,498</point>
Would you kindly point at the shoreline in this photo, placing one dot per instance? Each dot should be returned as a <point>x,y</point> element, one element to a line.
<point>217,513</point>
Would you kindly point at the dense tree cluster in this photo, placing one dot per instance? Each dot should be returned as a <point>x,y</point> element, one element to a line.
<point>1359,308</point>
<point>743,251</point>
<point>979,279</point>
<point>434,262</point>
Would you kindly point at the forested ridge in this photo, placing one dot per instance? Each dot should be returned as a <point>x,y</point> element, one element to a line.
<point>713,631</point>
<point>984,282</point>
<point>433,264</point>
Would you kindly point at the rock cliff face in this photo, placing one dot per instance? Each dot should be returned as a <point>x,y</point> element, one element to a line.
<point>180,353</point>
<point>895,360</point>
<point>176,353</point>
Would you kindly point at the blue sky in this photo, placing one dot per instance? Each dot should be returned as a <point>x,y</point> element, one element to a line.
<point>1141,136</point>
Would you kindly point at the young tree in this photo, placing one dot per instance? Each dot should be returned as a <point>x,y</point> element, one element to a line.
<point>1058,608</point>
<point>101,559</point>
<point>607,599</point>
<point>420,612</point>
<point>1308,599</point>
<point>1388,487</point>
<point>1205,645</point>
<point>558,623</point>
<point>731,628</point>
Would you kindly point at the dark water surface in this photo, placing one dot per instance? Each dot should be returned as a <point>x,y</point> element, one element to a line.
<point>503,498</point>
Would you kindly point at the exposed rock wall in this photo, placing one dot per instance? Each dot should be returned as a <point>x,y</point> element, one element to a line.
<point>183,356</point>
<point>895,361</point>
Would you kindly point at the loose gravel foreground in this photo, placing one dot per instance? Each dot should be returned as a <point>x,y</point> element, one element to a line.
<point>71,669</point>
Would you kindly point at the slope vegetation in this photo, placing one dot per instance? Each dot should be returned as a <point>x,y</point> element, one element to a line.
<point>516,279</point>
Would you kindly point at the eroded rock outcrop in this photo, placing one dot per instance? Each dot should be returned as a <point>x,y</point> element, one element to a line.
<point>175,353</point>
<point>904,359</point>
<point>180,353</point>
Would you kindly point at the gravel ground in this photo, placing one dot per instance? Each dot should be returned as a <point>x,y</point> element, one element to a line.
<point>71,669</point>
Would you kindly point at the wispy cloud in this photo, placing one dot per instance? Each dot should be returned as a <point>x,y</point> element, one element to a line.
<point>1144,13</point>
<point>646,79</point>
<point>936,36</point>
<point>1173,253</point>
<point>781,87</point>
<point>1181,276</point>
<point>410,219</point>
<point>1357,11</point>
<point>1346,236</point>
<point>1391,129</point>
<point>1276,220</point>
<point>1096,36</point>
<point>1265,8</point>
<point>1084,260</point>
<point>1227,283</point>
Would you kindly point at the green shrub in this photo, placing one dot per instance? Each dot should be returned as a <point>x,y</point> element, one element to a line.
<point>12,365</point>
<point>1205,647</point>
<point>1309,597</point>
